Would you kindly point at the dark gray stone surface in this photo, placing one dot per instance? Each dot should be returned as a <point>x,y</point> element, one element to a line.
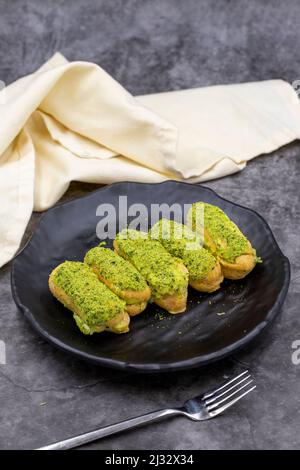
<point>151,46</point>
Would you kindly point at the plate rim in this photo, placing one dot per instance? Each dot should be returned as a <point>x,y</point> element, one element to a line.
<point>196,361</point>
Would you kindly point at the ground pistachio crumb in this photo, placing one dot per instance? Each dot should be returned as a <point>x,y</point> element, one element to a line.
<point>96,303</point>
<point>182,242</point>
<point>160,269</point>
<point>228,241</point>
<point>119,272</point>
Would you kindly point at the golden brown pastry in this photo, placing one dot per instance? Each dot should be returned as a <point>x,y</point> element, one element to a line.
<point>167,276</point>
<point>224,240</point>
<point>95,307</point>
<point>121,277</point>
<point>204,269</point>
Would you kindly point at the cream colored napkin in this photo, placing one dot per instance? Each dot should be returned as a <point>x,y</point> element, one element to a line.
<point>72,121</point>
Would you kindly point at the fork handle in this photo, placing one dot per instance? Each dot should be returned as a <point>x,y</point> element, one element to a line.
<point>112,429</point>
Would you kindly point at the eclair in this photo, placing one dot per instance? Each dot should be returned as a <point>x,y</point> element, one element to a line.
<point>167,276</point>
<point>224,240</point>
<point>121,277</point>
<point>95,307</point>
<point>204,269</point>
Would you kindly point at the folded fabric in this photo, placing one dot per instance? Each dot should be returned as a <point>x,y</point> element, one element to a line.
<point>72,121</point>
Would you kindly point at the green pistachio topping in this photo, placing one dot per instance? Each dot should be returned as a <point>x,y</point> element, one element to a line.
<point>157,266</point>
<point>120,273</point>
<point>97,304</point>
<point>228,239</point>
<point>182,242</point>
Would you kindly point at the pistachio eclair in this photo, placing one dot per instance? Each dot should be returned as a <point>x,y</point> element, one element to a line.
<point>121,277</point>
<point>204,269</point>
<point>224,239</point>
<point>167,276</point>
<point>95,307</point>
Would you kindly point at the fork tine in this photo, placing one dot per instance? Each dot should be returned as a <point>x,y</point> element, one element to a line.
<point>216,412</point>
<point>216,397</point>
<point>213,392</point>
<point>215,405</point>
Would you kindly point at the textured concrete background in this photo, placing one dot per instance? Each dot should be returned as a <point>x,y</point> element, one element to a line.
<point>152,46</point>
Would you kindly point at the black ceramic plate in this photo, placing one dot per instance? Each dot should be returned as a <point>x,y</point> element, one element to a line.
<point>213,326</point>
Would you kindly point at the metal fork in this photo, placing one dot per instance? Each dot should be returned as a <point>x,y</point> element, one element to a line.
<point>205,406</point>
